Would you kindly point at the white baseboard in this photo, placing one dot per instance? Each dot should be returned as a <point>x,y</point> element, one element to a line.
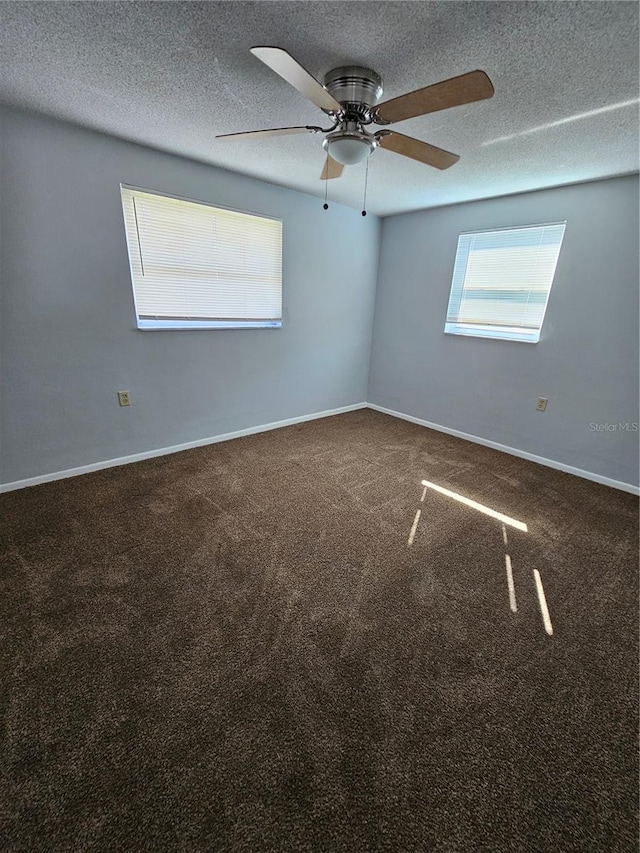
<point>176,448</point>
<point>513,451</point>
<point>228,436</point>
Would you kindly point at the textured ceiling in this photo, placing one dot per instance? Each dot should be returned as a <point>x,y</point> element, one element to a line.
<point>173,75</point>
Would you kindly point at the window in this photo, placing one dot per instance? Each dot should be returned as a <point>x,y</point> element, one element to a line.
<point>501,282</point>
<point>195,266</point>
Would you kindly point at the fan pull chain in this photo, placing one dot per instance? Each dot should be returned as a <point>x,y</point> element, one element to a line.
<point>325,206</point>
<point>366,178</point>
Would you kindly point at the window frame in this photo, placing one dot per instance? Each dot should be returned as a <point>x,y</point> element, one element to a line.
<point>489,330</point>
<point>196,324</point>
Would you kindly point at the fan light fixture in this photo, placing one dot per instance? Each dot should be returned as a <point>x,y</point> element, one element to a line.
<point>349,146</point>
<point>350,96</point>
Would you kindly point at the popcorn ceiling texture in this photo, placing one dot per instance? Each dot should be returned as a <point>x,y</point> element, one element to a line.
<point>173,75</point>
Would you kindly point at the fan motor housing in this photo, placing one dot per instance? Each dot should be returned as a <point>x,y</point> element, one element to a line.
<point>354,84</point>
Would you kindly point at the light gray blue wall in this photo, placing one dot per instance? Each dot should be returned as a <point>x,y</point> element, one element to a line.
<point>68,336</point>
<point>586,362</point>
<point>68,340</point>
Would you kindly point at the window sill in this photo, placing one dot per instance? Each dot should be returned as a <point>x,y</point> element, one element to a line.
<point>182,325</point>
<point>493,333</point>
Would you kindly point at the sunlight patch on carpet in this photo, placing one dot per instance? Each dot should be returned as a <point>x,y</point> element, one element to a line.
<point>505,519</point>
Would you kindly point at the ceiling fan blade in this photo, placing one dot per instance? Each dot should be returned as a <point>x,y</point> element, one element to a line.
<point>417,150</point>
<point>274,131</point>
<point>290,70</point>
<point>332,169</point>
<point>474,86</point>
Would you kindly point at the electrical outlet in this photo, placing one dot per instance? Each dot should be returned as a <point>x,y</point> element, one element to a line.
<point>540,407</point>
<point>123,398</point>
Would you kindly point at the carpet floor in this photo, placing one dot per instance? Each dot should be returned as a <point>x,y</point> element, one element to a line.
<point>287,643</point>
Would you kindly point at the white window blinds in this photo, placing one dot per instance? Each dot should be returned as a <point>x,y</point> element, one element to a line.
<point>198,266</point>
<point>501,282</point>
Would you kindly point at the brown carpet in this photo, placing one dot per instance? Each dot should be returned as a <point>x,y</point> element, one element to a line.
<point>235,649</point>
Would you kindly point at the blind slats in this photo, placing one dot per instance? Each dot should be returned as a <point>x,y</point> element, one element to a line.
<point>501,281</point>
<point>194,262</point>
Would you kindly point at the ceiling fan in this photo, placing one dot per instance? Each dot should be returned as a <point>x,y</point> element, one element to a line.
<point>349,96</point>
